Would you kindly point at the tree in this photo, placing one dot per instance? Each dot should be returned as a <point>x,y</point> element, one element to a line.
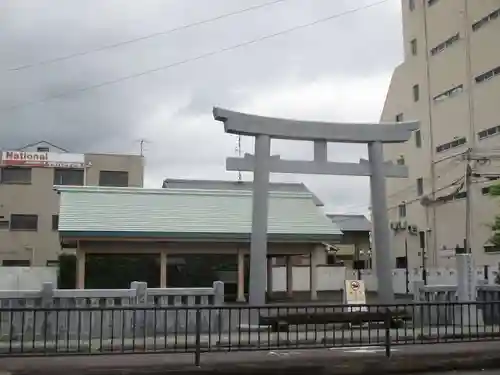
<point>495,227</point>
<point>494,191</point>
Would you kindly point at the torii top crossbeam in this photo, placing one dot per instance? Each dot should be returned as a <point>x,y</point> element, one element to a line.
<point>252,125</point>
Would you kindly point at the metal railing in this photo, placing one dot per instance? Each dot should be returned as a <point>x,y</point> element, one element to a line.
<point>200,329</point>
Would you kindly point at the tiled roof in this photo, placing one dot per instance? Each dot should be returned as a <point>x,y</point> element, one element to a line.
<point>188,213</point>
<point>350,223</point>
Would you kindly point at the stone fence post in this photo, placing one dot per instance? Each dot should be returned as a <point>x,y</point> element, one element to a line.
<point>48,317</point>
<point>219,302</point>
<point>140,301</point>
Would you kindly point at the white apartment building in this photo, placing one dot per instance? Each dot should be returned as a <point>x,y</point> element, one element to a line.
<point>450,81</point>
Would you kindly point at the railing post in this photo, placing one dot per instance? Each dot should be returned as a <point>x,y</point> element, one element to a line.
<point>387,326</point>
<point>197,353</point>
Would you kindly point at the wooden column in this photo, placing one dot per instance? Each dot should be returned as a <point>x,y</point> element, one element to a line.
<point>163,268</point>
<point>269,277</point>
<point>80,267</point>
<point>241,276</point>
<point>289,276</point>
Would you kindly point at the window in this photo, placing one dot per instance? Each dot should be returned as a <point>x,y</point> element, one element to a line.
<point>399,117</point>
<point>55,222</point>
<point>16,175</point>
<point>416,93</point>
<point>402,210</point>
<point>4,224</point>
<point>460,195</point>
<point>42,149</point>
<point>485,190</point>
<point>65,176</point>
<point>488,132</point>
<point>401,263</point>
<point>113,178</point>
<point>455,143</point>
<point>16,263</point>
<point>491,249</point>
<point>68,177</point>
<point>448,93</point>
<point>488,75</point>
<point>414,47</point>
<point>401,160</point>
<point>331,259</point>
<point>487,19</point>
<point>446,44</point>
<point>411,5</point>
<point>418,138</point>
<point>420,186</point>
<point>23,222</point>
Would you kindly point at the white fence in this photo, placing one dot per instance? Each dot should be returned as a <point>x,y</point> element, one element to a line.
<point>26,278</point>
<point>332,278</point>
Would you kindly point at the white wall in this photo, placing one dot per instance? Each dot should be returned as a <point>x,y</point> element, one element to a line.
<point>332,278</point>
<point>26,278</point>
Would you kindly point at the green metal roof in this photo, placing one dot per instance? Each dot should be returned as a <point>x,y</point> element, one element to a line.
<point>194,214</point>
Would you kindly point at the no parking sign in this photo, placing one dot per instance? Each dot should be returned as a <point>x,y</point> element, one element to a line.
<point>355,292</point>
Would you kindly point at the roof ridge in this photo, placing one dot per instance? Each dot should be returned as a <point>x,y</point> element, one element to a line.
<point>180,191</point>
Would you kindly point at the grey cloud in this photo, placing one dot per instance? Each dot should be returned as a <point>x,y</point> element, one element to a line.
<point>172,108</point>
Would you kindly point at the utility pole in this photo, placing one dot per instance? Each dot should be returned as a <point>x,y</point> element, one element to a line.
<point>142,143</point>
<point>407,269</point>
<point>239,152</point>
<point>468,202</point>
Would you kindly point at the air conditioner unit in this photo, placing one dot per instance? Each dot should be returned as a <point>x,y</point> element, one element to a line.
<point>398,225</point>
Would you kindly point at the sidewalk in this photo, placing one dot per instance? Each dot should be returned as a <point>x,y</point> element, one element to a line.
<point>255,340</point>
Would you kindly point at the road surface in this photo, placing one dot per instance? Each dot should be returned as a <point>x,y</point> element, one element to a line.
<point>358,361</point>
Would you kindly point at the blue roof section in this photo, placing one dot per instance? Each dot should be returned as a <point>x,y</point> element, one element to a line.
<point>188,213</point>
<point>351,223</point>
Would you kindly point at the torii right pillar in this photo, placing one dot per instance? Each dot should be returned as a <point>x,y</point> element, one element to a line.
<point>380,219</point>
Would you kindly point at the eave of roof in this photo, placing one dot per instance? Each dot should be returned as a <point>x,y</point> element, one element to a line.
<point>198,237</point>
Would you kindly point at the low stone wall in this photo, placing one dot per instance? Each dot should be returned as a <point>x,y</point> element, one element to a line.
<point>52,314</point>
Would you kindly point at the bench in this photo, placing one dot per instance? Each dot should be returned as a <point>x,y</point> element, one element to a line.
<point>281,322</point>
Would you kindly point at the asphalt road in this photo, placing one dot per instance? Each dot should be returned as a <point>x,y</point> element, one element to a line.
<point>371,359</point>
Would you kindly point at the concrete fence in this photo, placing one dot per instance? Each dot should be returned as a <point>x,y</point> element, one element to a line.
<point>439,314</point>
<point>62,314</point>
<point>331,278</point>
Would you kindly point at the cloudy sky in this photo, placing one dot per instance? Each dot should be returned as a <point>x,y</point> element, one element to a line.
<point>337,70</point>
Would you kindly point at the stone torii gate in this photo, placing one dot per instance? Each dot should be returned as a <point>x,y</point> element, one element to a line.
<point>262,164</point>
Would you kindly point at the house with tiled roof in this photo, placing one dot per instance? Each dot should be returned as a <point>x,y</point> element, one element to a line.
<point>172,221</point>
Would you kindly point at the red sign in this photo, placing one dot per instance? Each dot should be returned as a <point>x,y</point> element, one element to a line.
<point>354,285</point>
<point>18,157</point>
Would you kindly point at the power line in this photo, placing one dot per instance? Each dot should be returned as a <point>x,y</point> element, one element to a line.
<point>196,58</point>
<point>142,38</point>
<point>450,167</point>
